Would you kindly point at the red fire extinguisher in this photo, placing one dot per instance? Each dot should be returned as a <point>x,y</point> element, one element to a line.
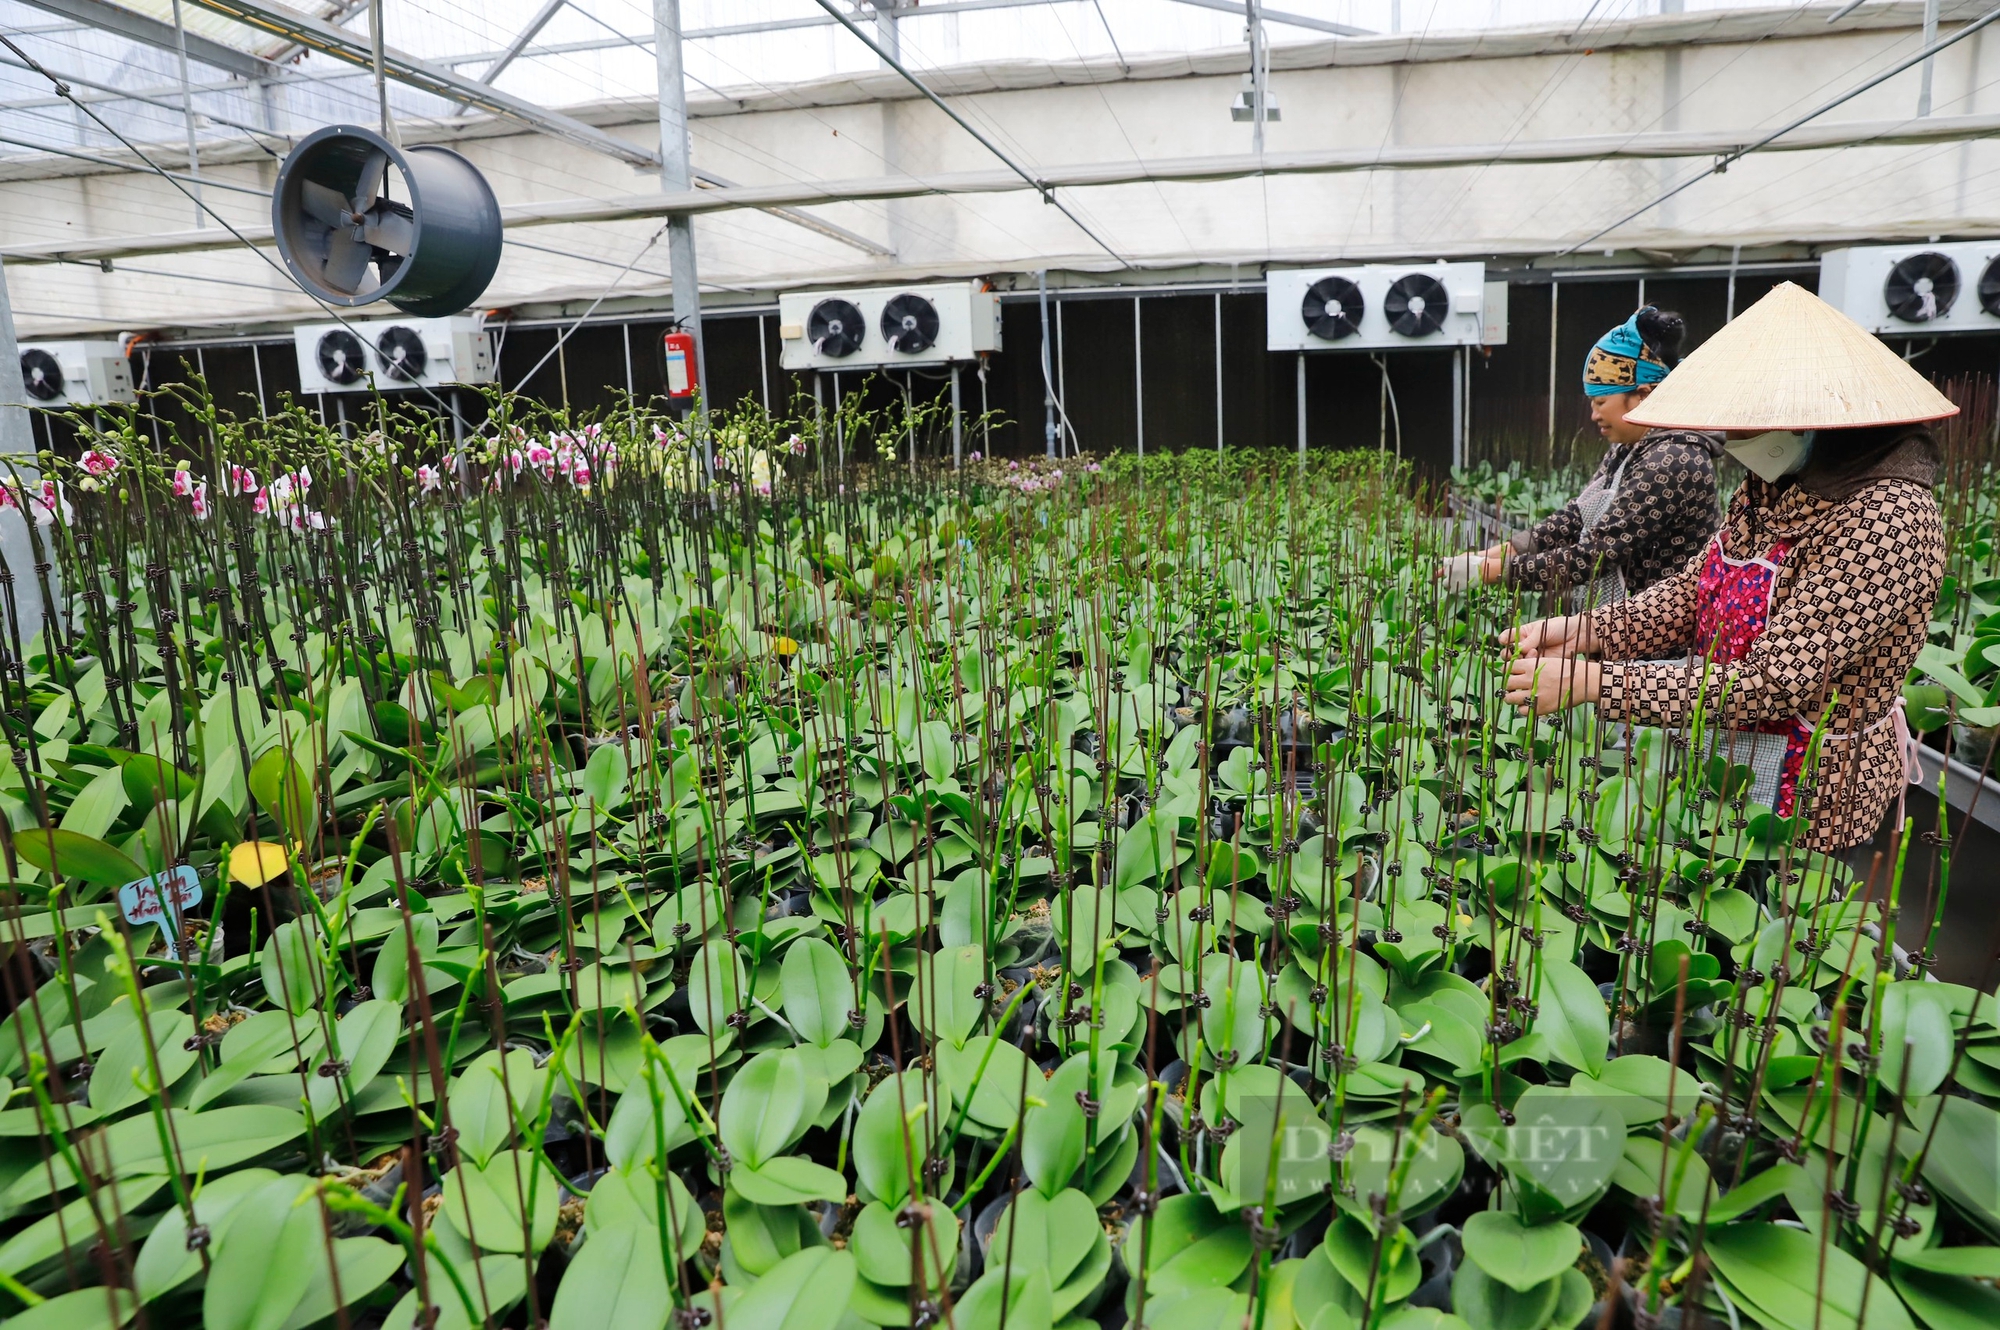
<point>683,375</point>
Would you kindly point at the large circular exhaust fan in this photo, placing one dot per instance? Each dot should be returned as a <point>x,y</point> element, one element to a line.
<point>1416,305</point>
<point>1333,308</point>
<point>1922,287</point>
<point>359,219</point>
<point>836,328</point>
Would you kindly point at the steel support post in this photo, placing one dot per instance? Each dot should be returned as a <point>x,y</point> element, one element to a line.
<point>1555,293</point>
<point>187,114</point>
<point>1218,371</point>
<point>677,176</point>
<point>17,458</point>
<point>1048,380</point>
<point>1139,373</point>
<point>1302,411</point>
<point>1458,407</point>
<point>1924,80</point>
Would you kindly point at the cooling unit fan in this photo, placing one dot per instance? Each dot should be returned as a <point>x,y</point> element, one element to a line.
<point>347,241</point>
<point>1333,308</point>
<point>1989,288</point>
<point>1416,305</point>
<point>41,374</point>
<point>400,353</point>
<point>342,359</point>
<point>910,324</point>
<point>836,328</point>
<point>1921,287</point>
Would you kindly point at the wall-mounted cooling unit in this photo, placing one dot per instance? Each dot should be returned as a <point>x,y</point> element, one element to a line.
<point>887,326</point>
<point>1384,305</point>
<point>58,374</point>
<point>387,354</point>
<point>1915,290</point>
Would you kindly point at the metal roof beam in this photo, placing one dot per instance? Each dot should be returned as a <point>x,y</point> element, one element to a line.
<point>769,198</point>
<point>1279,16</point>
<point>96,160</point>
<point>314,34</point>
<point>521,40</point>
<point>735,30</point>
<point>337,14</point>
<point>167,99</point>
<point>149,31</point>
<point>108,94</point>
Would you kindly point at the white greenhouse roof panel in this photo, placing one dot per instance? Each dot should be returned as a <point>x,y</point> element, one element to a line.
<point>1477,143</point>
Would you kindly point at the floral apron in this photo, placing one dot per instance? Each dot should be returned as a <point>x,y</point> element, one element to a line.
<point>1733,607</point>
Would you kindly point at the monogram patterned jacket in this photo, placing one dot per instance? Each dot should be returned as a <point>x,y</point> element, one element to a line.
<point>1849,612</point>
<point>1665,512</point>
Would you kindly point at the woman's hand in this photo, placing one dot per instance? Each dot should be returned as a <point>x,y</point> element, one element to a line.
<point>1473,568</point>
<point>1459,571</point>
<point>1564,635</point>
<point>1541,684</point>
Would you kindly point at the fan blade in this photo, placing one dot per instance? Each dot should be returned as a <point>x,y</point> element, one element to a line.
<point>323,204</point>
<point>374,174</point>
<point>389,230</point>
<point>347,260</point>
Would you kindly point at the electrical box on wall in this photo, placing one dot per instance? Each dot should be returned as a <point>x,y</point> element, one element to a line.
<point>94,373</point>
<point>1915,290</point>
<point>887,326</point>
<point>1380,306</point>
<point>387,354</point>
<point>1493,315</point>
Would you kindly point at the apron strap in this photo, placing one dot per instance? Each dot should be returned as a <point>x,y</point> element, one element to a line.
<point>1913,768</point>
<point>1908,747</point>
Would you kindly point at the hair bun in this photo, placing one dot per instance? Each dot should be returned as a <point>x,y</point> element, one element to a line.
<point>1663,331</point>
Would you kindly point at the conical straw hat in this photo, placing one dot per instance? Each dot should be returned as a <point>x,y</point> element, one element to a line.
<point>1791,362</point>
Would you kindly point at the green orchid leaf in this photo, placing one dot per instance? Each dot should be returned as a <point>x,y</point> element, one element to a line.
<point>1520,1255</point>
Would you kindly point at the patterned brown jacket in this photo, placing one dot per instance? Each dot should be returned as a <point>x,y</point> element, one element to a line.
<point>1849,612</point>
<point>1665,512</point>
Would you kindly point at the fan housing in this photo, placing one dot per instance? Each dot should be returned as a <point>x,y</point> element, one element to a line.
<point>836,328</point>
<point>358,219</point>
<point>1921,287</point>
<point>342,358</point>
<point>1416,305</point>
<point>1989,288</point>
<point>910,324</point>
<point>1333,308</point>
<point>393,355</point>
<point>400,354</point>
<point>1383,307</point>
<point>884,327</point>
<point>41,374</point>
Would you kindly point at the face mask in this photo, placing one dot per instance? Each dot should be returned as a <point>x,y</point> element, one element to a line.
<point>1772,454</point>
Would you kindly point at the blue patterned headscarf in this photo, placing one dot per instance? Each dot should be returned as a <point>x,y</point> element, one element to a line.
<point>1621,361</point>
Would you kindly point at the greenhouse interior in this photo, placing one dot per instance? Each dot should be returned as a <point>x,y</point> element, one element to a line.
<point>999,664</point>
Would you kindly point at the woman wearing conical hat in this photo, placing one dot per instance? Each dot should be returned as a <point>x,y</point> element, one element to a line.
<point>1651,503</point>
<point>1808,608</point>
